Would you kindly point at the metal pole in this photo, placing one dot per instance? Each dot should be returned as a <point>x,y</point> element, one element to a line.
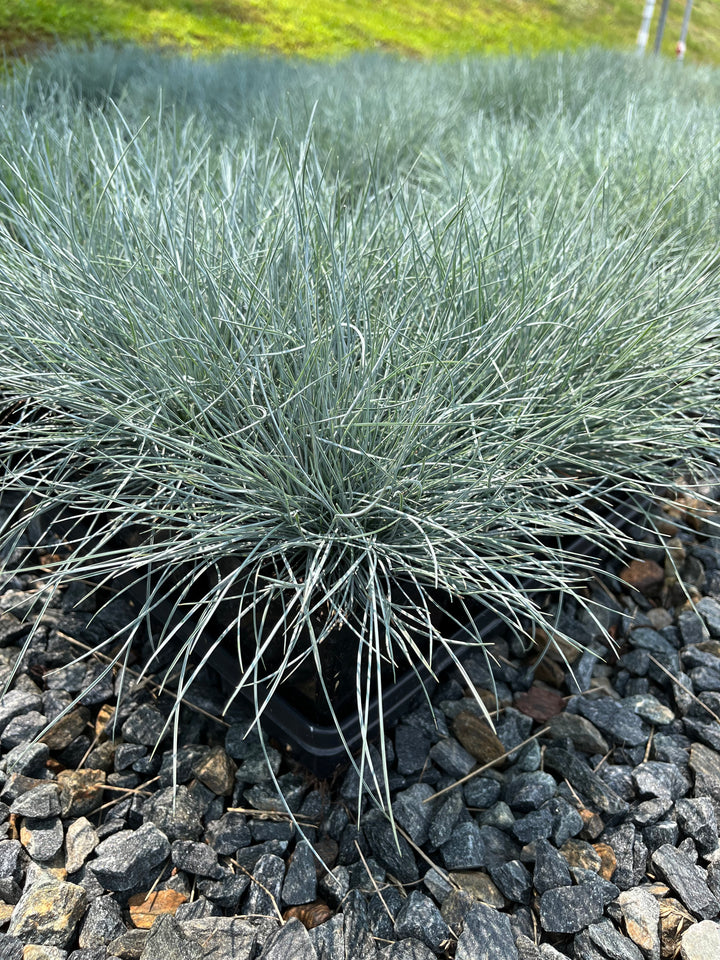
<point>644,33</point>
<point>680,48</point>
<point>661,26</point>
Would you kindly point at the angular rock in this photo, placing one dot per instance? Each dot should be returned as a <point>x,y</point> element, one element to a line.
<point>614,719</point>
<point>696,818</point>
<point>641,918</point>
<point>144,725</point>
<point>499,815</point>
<point>536,825</point>
<point>465,850</point>
<point>223,937</point>
<point>395,854</point>
<point>630,858</point>
<point>356,927</point>
<point>570,909</point>
<point>28,759</point>
<point>486,934</point>
<point>167,939</point>
<point>290,942</point>
<point>658,834</point>
<point>22,729</point>
<point>17,702</point>
<point>413,813</point>
<point>529,791</point>
<point>445,819</point>
<point>48,913</point>
<point>225,893</point>
<point>609,941</point>
<point>421,919</point>
<point>300,885</point>
<point>513,880</point>
<point>264,894</point>
<point>657,779</point>
<point>329,939</point>
<point>197,858</point>
<point>709,610</point>
<point>198,909</point>
<point>228,834</point>
<point>129,946</point>
<point>551,869</point>
<point>584,735</point>
<point>701,941</point>
<point>217,772</point>
<point>608,891</point>
<point>41,802</point>
<point>439,887</point>
<point>176,813</point>
<point>129,858</point>
<point>681,875</point>
<point>103,923</point>
<point>80,791</point>
<point>36,951</point>
<point>11,948</point>
<point>409,949</point>
<point>452,758</point>
<point>80,840</point>
<point>584,780</point>
<point>42,838</point>
<point>650,709</point>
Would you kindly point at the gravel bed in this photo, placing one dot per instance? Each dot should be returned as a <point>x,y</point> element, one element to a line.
<point>585,825</point>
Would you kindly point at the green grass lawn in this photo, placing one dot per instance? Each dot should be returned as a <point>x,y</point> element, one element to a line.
<point>332,27</point>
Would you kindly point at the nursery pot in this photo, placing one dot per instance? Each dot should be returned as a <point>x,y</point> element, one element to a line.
<point>298,714</point>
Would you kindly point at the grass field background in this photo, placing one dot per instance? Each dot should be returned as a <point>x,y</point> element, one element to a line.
<point>332,27</point>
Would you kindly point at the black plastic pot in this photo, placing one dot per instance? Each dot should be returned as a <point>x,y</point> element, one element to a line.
<point>322,745</point>
<point>298,715</point>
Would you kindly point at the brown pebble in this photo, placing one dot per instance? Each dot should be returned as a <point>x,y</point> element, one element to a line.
<point>643,575</point>
<point>145,908</point>
<point>559,649</point>
<point>80,791</point>
<point>593,825</point>
<point>479,885</point>
<point>487,698</point>
<point>477,737</point>
<point>550,672</point>
<point>309,914</point>
<point>540,703</point>
<point>216,771</point>
<point>67,728</point>
<point>608,863</point>
<point>103,724</point>
<point>579,853</point>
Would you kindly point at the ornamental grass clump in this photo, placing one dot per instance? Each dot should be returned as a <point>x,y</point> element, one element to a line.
<point>293,407</point>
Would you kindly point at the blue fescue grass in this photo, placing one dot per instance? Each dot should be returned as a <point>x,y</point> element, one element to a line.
<point>341,340</point>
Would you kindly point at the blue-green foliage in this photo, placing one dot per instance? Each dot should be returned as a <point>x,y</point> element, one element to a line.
<point>343,339</point>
